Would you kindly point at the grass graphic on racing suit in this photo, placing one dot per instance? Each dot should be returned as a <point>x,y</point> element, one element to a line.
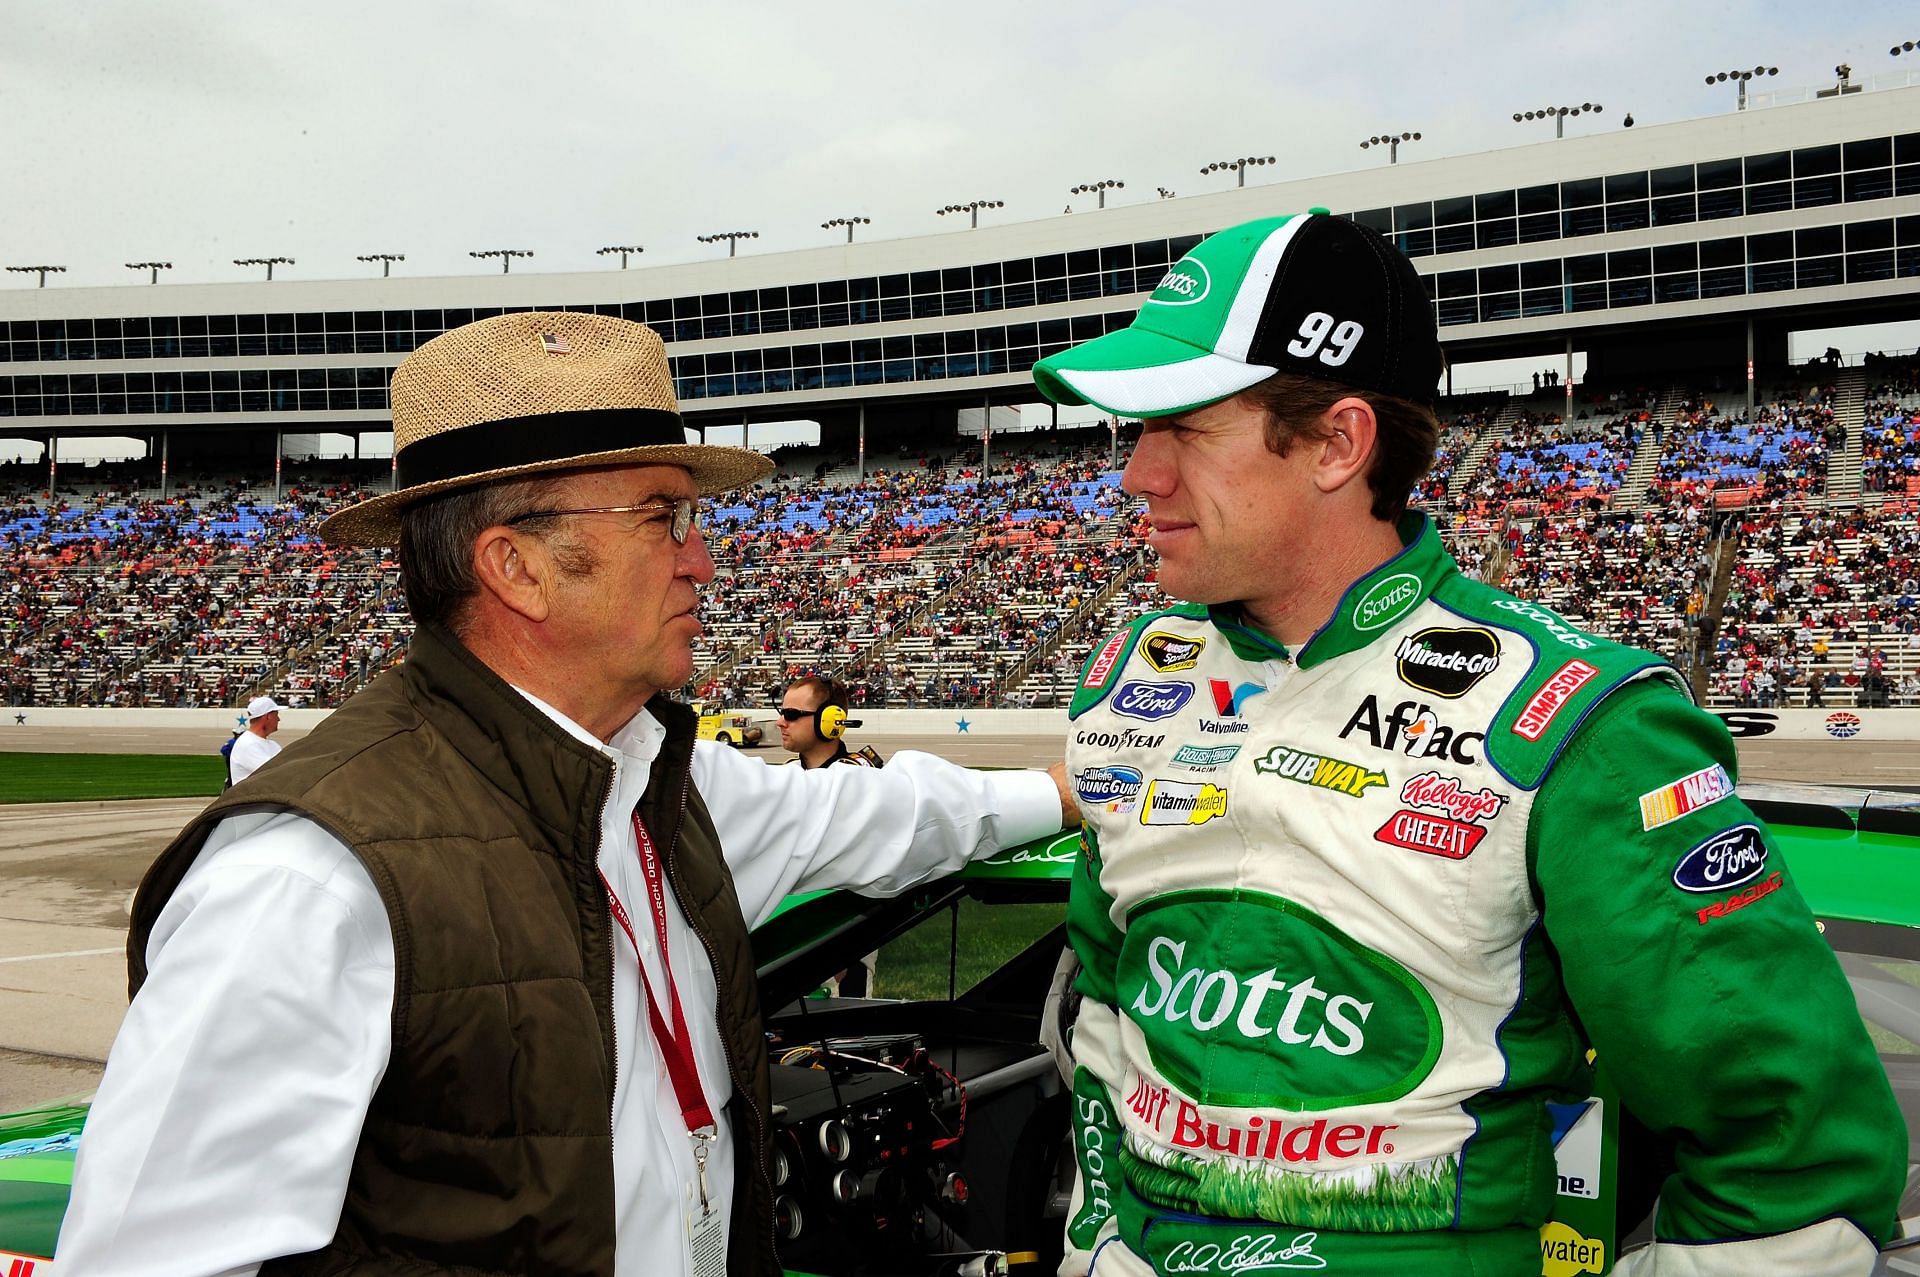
<point>1410,1198</point>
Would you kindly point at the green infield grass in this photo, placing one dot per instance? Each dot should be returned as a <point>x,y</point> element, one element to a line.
<point>915,965</point>
<point>63,778</point>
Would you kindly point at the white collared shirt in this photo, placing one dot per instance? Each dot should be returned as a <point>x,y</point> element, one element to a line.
<point>227,1119</point>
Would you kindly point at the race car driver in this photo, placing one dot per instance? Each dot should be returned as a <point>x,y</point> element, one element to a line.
<point>1374,854</point>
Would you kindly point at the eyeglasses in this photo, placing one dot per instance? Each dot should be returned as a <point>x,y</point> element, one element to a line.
<point>795,715</point>
<point>684,511</point>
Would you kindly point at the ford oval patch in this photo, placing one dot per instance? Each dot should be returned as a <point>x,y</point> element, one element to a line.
<point>1152,701</point>
<point>1726,860</point>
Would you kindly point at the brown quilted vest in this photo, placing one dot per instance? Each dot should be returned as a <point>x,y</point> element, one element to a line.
<point>488,1145</point>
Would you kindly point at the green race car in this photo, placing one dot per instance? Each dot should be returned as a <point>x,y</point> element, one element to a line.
<point>921,1120</point>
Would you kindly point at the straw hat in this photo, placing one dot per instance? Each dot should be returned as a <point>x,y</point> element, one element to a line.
<point>533,393</point>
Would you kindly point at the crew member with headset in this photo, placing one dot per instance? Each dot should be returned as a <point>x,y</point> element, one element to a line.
<point>814,723</point>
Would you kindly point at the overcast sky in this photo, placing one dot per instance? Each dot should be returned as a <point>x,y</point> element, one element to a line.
<point>199,131</point>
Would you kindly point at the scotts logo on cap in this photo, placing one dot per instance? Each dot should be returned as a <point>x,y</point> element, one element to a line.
<point>1185,283</point>
<point>1447,662</point>
<point>1249,999</point>
<point>1386,601</point>
<point>1171,653</point>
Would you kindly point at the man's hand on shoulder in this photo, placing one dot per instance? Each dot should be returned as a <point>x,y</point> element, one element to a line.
<point>1069,806</point>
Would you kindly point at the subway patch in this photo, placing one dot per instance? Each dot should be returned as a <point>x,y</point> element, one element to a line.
<point>1319,771</point>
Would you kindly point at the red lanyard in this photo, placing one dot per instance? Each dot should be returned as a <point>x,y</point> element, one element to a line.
<point>676,1047</point>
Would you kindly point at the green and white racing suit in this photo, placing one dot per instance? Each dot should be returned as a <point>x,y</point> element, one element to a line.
<point>1349,917</point>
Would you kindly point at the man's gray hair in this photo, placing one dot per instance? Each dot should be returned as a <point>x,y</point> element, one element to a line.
<point>436,543</point>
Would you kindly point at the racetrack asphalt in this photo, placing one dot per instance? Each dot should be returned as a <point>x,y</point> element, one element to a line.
<point>68,872</point>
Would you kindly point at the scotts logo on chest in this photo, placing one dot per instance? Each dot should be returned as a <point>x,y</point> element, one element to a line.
<point>1151,701</point>
<point>1187,282</point>
<point>1413,729</point>
<point>1248,999</point>
<point>1170,653</point>
<point>1447,662</point>
<point>1386,601</point>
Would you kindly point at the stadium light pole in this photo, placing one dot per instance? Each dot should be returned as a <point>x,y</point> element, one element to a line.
<point>506,256</point>
<point>1558,114</point>
<point>1740,79</point>
<point>733,239</point>
<point>971,207</point>
<point>848,222</point>
<point>386,261</point>
<point>153,269</point>
<point>1239,166</point>
<point>268,262</point>
<point>1099,188</point>
<point>624,250</point>
<point>1392,142</point>
<point>41,271</point>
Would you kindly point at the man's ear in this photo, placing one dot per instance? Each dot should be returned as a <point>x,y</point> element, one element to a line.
<point>515,569</point>
<point>1348,434</point>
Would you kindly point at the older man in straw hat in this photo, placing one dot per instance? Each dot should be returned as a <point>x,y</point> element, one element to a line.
<point>462,983</point>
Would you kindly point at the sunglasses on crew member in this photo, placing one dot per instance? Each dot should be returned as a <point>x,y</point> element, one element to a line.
<point>795,715</point>
<point>683,512</point>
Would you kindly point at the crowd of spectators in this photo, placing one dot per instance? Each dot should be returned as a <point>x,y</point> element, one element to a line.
<point>1543,465</point>
<point>1781,453</point>
<point>1821,610</point>
<point>1890,442</point>
<point>922,580</point>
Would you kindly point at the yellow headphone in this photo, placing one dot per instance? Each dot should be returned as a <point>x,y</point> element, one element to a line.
<point>833,718</point>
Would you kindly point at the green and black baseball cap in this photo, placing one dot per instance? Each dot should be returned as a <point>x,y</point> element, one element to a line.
<point>1307,293</point>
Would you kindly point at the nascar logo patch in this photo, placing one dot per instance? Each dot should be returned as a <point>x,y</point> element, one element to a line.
<point>1689,794</point>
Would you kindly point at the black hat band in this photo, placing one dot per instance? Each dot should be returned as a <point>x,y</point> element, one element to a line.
<point>540,439</point>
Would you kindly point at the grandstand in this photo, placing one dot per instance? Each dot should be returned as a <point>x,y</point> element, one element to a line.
<point>1697,493</point>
